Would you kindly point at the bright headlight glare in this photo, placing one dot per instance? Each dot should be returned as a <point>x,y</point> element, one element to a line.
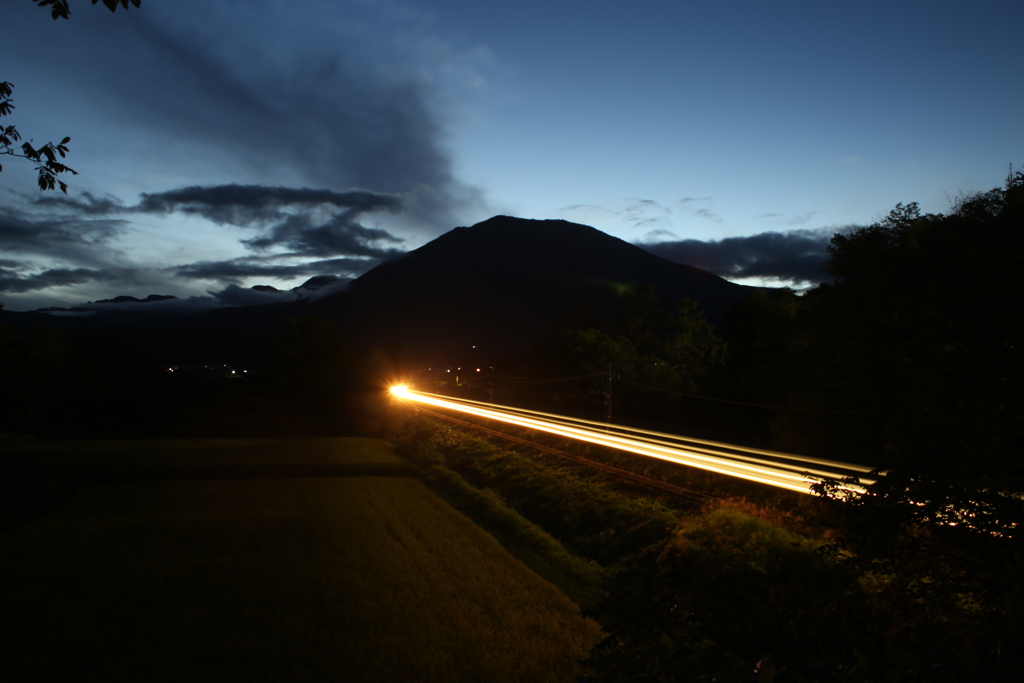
<point>783,470</point>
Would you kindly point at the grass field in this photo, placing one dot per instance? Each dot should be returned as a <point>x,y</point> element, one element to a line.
<point>202,452</point>
<point>300,578</point>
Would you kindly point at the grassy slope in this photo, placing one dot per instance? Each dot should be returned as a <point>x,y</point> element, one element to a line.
<point>200,452</point>
<point>361,578</point>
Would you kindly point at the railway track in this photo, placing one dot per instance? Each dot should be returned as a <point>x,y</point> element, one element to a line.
<point>610,470</point>
<point>788,471</point>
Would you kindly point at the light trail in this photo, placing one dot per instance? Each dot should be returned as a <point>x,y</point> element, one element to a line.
<point>783,470</point>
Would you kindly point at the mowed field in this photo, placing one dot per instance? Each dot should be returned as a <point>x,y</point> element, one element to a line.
<point>306,569</point>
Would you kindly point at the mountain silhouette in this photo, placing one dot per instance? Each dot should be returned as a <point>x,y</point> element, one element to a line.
<point>497,288</point>
<point>505,284</point>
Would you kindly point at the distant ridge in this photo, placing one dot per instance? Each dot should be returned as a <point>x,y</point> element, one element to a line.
<point>132,300</point>
<point>313,284</point>
<point>123,299</point>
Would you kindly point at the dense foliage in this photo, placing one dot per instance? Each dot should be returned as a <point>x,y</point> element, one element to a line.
<point>646,344</point>
<point>722,592</point>
<point>918,347</point>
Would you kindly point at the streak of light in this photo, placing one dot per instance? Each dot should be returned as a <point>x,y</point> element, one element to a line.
<point>783,470</point>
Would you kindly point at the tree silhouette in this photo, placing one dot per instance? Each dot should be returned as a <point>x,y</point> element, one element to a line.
<point>61,10</point>
<point>45,157</point>
<point>923,325</point>
<point>651,350</point>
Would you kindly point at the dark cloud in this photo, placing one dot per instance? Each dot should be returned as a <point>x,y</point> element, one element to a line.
<point>53,235</point>
<point>338,235</point>
<point>305,221</point>
<point>15,281</point>
<point>797,256</point>
<point>20,233</point>
<point>67,241</point>
<point>351,104</point>
<point>246,205</point>
<point>85,203</point>
<point>57,245</point>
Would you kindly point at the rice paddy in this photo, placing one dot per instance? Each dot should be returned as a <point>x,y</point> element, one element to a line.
<point>326,577</point>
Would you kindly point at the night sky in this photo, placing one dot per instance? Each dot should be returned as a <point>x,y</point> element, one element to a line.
<point>226,144</point>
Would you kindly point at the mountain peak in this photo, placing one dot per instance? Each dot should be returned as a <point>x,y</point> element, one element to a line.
<point>528,231</point>
<point>513,223</point>
<point>506,282</point>
<point>505,242</point>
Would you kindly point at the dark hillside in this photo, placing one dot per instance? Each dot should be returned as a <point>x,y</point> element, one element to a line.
<point>504,284</point>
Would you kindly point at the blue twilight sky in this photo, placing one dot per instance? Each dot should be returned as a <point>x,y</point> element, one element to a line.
<point>231,143</point>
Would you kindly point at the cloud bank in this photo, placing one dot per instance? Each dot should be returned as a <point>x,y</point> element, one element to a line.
<point>797,256</point>
<point>307,222</point>
<point>59,242</point>
<point>257,204</point>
